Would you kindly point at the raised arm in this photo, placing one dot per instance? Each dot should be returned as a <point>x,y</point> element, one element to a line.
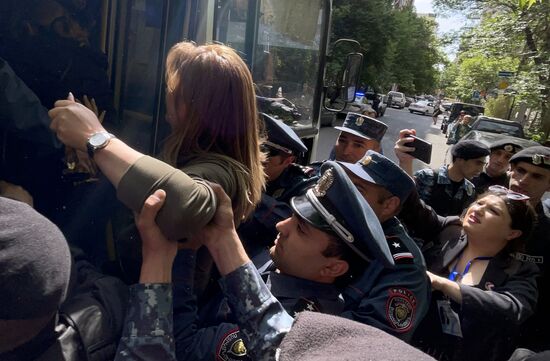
<point>190,203</point>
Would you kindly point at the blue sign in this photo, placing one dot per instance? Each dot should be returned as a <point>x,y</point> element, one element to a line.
<point>476,95</point>
<point>505,74</point>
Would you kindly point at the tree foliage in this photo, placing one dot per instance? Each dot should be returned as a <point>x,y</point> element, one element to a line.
<point>512,35</point>
<point>399,46</point>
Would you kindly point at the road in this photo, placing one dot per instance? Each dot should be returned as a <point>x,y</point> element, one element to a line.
<point>396,119</point>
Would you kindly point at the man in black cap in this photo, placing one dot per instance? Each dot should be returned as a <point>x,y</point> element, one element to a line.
<point>331,238</point>
<point>264,330</point>
<point>530,175</point>
<point>448,190</point>
<point>495,170</point>
<point>385,187</point>
<point>285,179</point>
<point>53,306</point>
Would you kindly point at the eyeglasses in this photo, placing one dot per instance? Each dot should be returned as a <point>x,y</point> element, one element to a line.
<point>515,196</point>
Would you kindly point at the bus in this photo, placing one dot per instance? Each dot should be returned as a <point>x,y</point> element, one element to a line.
<point>114,51</point>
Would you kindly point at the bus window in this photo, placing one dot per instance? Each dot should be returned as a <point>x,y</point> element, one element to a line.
<point>283,49</point>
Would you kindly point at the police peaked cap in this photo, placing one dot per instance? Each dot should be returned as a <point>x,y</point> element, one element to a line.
<point>280,136</point>
<point>363,126</point>
<point>470,149</point>
<point>538,155</point>
<point>506,144</point>
<point>376,168</point>
<point>334,204</point>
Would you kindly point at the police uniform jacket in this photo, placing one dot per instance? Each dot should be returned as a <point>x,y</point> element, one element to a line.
<point>219,337</point>
<point>491,311</point>
<point>436,189</point>
<point>392,299</point>
<point>538,252</point>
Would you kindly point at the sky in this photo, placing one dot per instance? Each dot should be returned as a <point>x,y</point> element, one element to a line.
<point>445,24</point>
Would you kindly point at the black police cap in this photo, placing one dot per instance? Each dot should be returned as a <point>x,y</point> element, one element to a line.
<point>506,144</point>
<point>470,149</point>
<point>334,204</point>
<point>363,126</point>
<point>537,155</point>
<point>280,136</point>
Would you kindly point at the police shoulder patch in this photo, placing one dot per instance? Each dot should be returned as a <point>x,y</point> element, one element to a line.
<point>399,251</point>
<point>231,347</point>
<point>400,309</point>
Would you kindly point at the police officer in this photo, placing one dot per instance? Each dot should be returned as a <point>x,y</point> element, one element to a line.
<point>331,238</point>
<point>285,179</point>
<point>396,299</point>
<point>358,134</point>
<point>495,171</point>
<point>448,190</point>
<point>530,175</point>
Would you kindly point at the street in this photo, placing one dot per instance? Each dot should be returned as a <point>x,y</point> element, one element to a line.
<point>396,119</point>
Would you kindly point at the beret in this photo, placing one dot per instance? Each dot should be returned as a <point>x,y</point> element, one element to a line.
<point>470,149</point>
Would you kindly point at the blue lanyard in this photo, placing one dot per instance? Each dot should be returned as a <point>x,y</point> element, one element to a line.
<point>454,274</point>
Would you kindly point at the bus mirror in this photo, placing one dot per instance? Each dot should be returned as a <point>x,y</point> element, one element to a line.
<point>351,75</point>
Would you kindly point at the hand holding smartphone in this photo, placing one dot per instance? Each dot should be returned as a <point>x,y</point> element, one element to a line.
<point>422,149</point>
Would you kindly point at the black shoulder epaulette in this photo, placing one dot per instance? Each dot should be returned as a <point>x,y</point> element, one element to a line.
<point>304,304</point>
<point>399,251</point>
<point>305,170</point>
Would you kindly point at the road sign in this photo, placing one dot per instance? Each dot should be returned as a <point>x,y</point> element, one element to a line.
<point>503,84</point>
<point>505,74</point>
<point>476,95</point>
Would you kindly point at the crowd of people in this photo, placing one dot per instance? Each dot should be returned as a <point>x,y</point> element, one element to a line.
<point>247,255</point>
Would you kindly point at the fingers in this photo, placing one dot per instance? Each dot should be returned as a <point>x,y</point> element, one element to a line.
<point>70,97</point>
<point>102,116</point>
<point>223,199</point>
<point>152,205</point>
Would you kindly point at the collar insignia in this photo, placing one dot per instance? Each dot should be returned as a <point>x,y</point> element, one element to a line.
<point>324,183</point>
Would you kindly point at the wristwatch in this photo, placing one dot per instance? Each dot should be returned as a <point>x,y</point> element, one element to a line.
<point>98,141</point>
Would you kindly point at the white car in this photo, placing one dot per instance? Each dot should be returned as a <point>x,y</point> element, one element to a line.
<point>422,106</point>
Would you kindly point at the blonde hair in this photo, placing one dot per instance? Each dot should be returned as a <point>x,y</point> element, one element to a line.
<point>215,112</point>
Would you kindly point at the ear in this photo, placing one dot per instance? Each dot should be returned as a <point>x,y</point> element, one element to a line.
<point>334,268</point>
<point>514,233</point>
<point>390,207</point>
<point>289,160</point>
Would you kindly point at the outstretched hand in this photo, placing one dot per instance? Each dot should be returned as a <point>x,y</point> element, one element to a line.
<point>73,123</point>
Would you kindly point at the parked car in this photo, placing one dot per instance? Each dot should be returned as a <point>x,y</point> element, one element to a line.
<point>470,109</point>
<point>422,106</point>
<point>397,99</point>
<point>499,126</point>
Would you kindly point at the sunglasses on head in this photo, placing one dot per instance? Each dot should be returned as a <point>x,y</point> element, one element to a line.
<point>515,196</point>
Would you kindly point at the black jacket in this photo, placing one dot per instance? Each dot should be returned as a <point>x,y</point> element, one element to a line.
<point>88,325</point>
<point>491,312</point>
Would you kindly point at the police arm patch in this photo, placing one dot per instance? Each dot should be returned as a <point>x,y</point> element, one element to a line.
<point>231,347</point>
<point>400,309</point>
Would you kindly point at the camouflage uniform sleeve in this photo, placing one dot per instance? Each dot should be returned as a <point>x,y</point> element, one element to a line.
<point>147,333</point>
<point>424,180</point>
<point>261,317</point>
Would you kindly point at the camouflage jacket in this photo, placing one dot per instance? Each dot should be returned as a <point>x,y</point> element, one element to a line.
<point>147,333</point>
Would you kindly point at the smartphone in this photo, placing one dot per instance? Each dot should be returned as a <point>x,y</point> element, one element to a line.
<point>422,149</point>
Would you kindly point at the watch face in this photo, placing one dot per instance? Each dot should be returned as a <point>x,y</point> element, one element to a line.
<point>98,139</point>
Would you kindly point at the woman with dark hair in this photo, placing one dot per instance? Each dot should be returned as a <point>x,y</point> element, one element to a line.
<point>482,293</point>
